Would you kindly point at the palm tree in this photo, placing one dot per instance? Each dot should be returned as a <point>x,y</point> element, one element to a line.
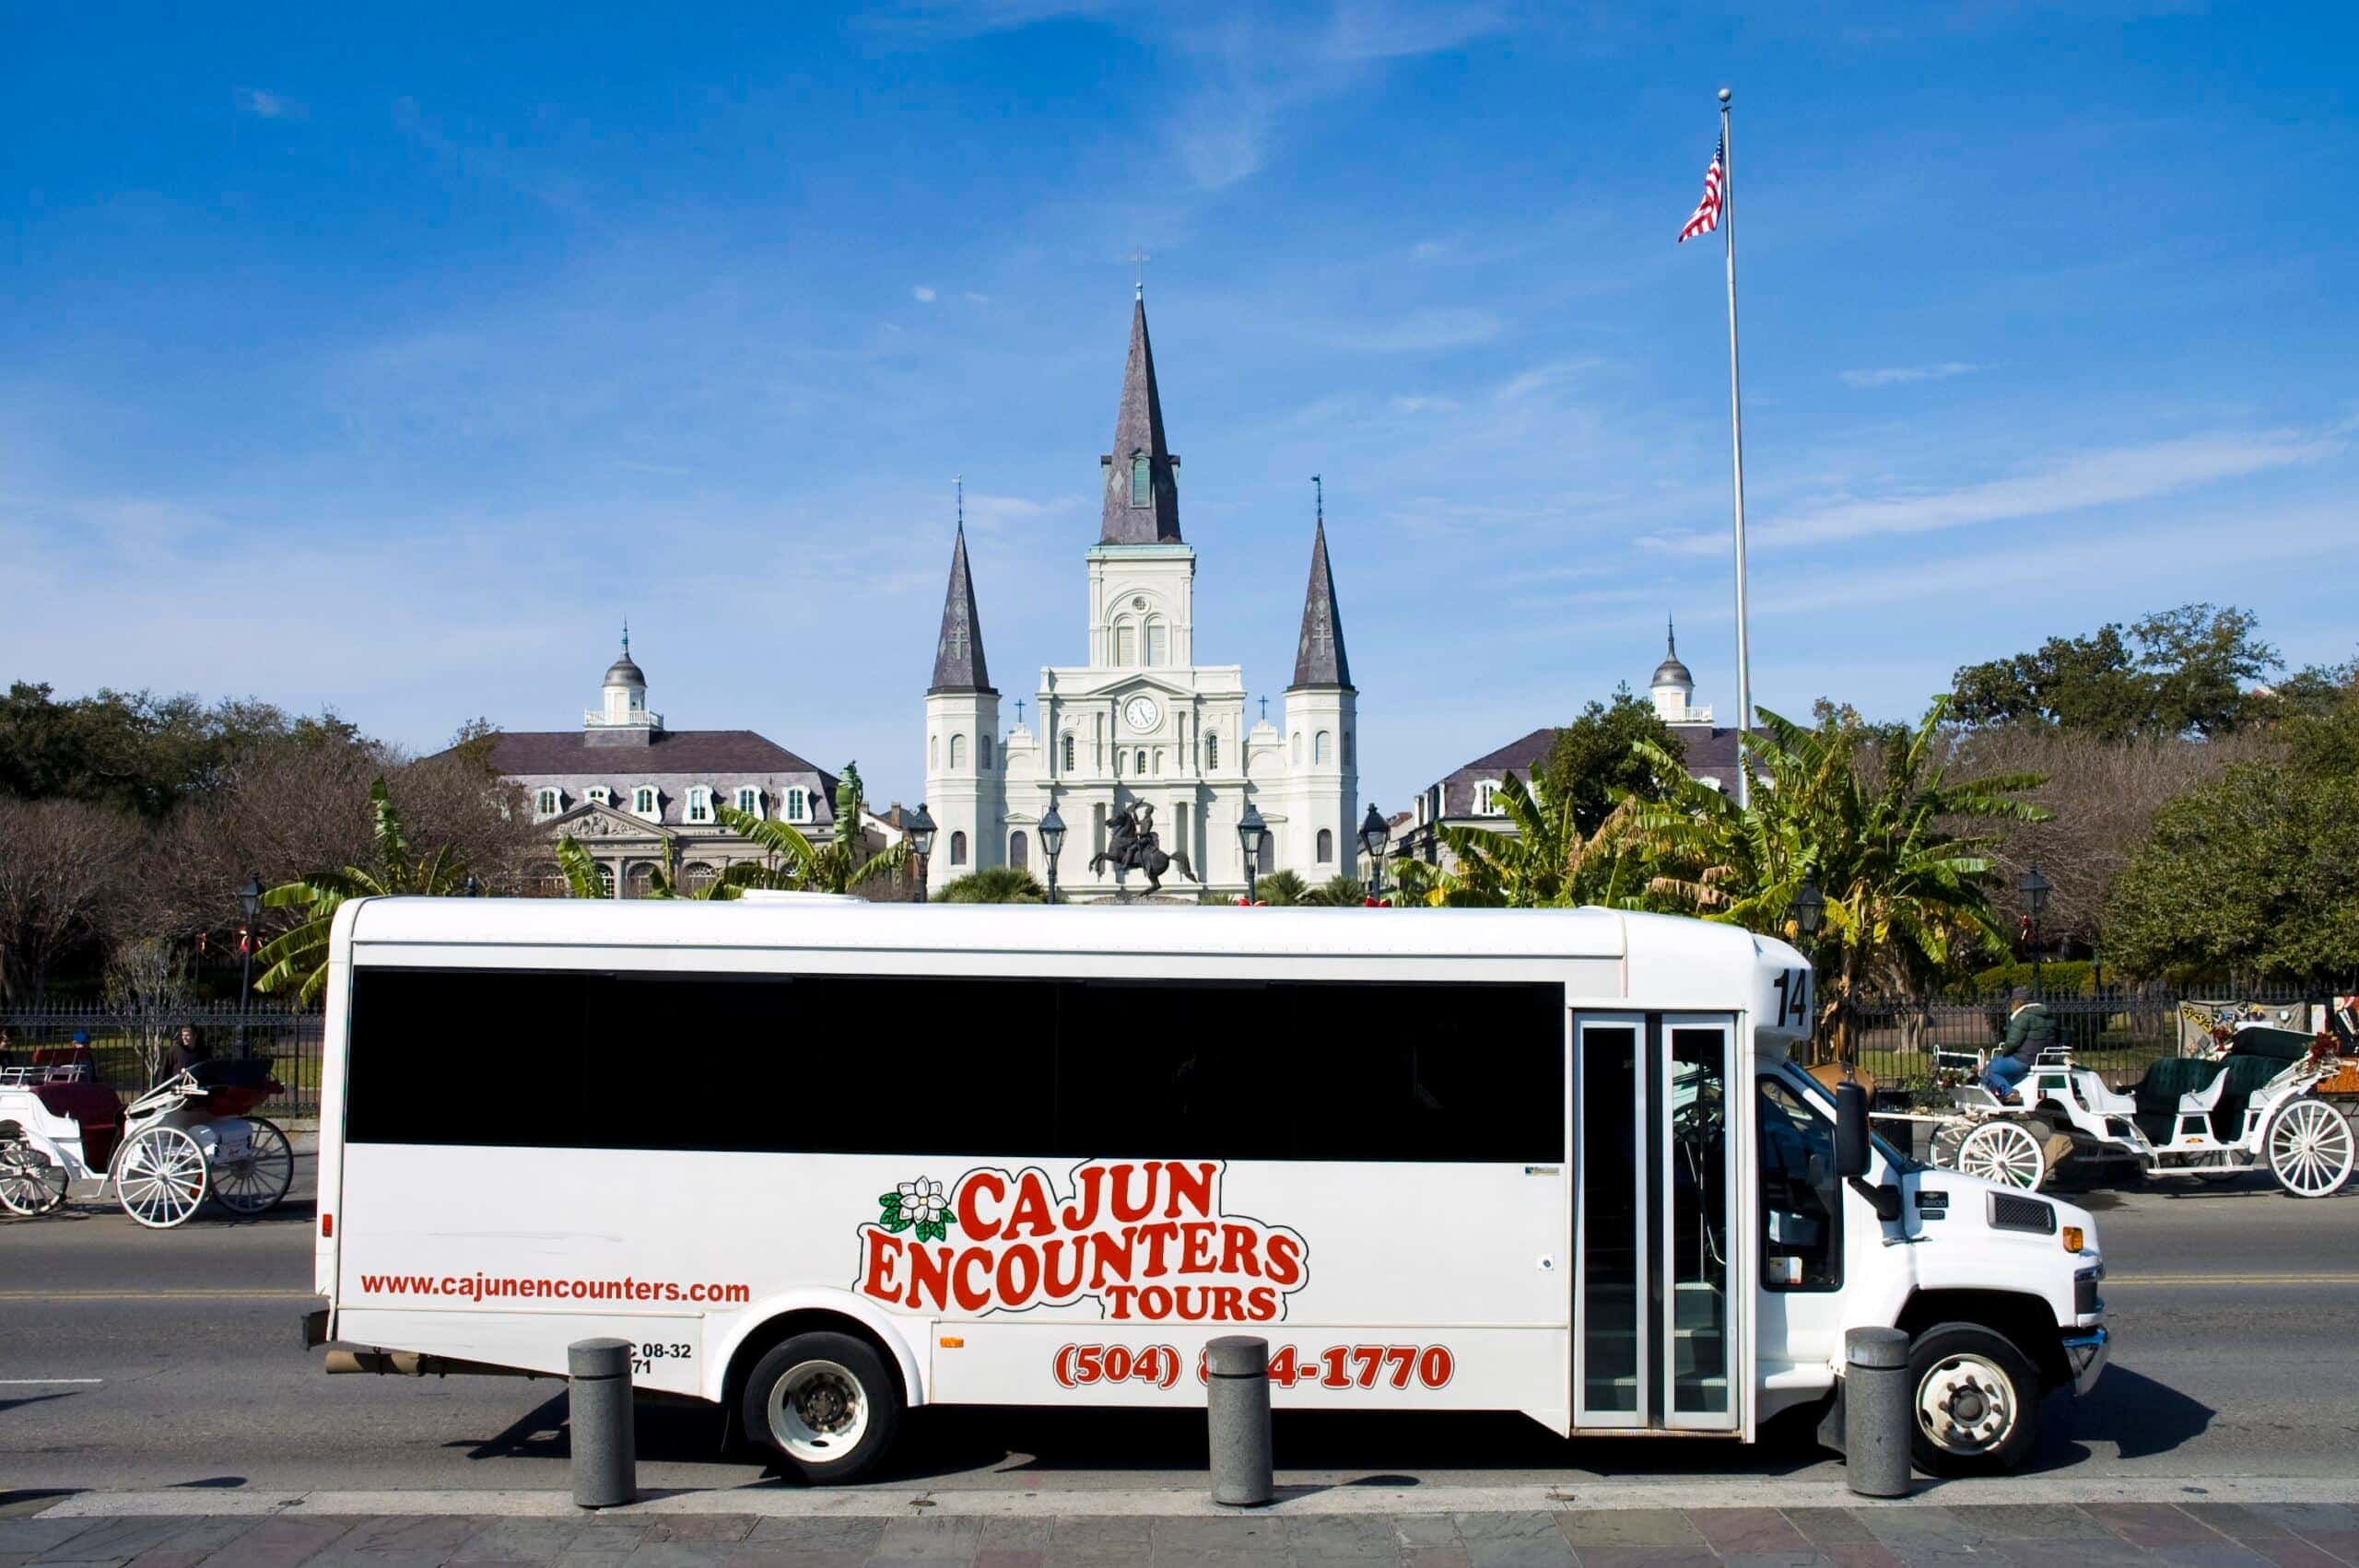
<point>994,884</point>
<point>299,958</point>
<point>793,862</point>
<point>1904,892</point>
<point>1339,892</point>
<point>1545,862</point>
<point>1281,887</point>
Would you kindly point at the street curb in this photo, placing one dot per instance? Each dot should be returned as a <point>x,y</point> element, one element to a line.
<point>777,1501</point>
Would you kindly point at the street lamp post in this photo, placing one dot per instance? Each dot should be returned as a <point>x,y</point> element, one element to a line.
<point>2035,889</point>
<point>1807,910</point>
<point>1053,843</point>
<point>1250,831</point>
<point>921,831</point>
<point>250,904</point>
<point>1374,837</point>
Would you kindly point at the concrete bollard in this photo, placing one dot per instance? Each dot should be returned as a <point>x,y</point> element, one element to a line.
<point>1879,1429</point>
<point>605,1447</point>
<point>1236,1405</point>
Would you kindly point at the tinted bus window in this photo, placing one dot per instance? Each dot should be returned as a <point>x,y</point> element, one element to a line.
<point>924,1066</point>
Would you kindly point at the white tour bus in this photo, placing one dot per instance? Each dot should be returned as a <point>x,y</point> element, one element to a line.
<point>823,1161</point>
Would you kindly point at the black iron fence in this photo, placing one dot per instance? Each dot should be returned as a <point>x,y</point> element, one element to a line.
<point>130,1047</point>
<point>1919,1043</point>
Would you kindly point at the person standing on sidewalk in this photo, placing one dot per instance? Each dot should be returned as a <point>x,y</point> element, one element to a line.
<point>2031,1029</point>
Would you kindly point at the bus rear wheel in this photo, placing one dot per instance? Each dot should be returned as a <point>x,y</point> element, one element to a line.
<point>1976,1398</point>
<point>827,1403</point>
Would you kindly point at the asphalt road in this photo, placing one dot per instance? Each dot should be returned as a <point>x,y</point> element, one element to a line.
<point>133,1359</point>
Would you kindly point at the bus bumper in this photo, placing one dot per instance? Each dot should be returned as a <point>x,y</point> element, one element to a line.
<point>315,1329</point>
<point>2085,1352</point>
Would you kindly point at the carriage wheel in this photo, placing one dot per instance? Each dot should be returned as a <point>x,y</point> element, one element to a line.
<point>30,1183</point>
<point>258,1179</point>
<point>2004,1152</point>
<point>2310,1148</point>
<point>159,1177</point>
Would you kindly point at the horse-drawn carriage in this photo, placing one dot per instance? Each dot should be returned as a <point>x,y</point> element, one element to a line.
<point>2250,1102</point>
<point>187,1138</point>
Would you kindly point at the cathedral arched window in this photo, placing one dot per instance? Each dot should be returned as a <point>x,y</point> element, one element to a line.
<point>957,752</point>
<point>1138,765</point>
<point>1298,746</point>
<point>1321,745</point>
<point>983,753</point>
<point>934,751</point>
<point>1158,643</point>
<point>1126,645</point>
<point>1019,850</point>
<point>1121,761</point>
<point>1326,846</point>
<point>1069,746</point>
<point>957,849</point>
<point>1212,752</point>
<point>1141,481</point>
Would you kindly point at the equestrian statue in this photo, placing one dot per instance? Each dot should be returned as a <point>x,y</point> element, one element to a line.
<point>1131,846</point>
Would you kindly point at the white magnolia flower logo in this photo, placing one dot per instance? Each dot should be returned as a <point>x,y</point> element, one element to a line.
<point>916,1205</point>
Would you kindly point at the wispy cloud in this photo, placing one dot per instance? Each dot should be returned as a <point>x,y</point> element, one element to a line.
<point>1901,374</point>
<point>268,105</point>
<point>922,294</point>
<point>2106,477</point>
<point>1422,331</point>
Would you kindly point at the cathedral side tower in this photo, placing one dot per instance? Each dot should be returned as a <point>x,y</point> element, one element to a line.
<point>964,776</point>
<point>1321,837</point>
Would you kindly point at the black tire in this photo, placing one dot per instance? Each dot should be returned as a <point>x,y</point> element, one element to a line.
<point>849,1416</point>
<point>1948,1352</point>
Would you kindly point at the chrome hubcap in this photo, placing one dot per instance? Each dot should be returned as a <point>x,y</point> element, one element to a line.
<point>1966,1405</point>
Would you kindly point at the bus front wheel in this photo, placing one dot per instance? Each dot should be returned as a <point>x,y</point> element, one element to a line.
<point>1975,1400</point>
<point>826,1402</point>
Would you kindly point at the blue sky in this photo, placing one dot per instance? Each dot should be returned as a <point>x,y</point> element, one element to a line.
<point>389,365</point>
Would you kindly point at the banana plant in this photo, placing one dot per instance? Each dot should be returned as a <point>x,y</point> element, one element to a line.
<point>298,960</point>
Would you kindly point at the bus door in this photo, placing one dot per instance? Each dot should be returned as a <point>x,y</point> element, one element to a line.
<point>1657,1218</point>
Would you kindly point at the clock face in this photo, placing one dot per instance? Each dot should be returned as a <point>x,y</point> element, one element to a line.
<point>1140,712</point>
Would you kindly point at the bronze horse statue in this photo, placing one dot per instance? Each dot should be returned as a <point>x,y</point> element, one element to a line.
<point>1131,846</point>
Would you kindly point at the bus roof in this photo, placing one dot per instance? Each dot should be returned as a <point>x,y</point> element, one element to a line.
<point>823,923</point>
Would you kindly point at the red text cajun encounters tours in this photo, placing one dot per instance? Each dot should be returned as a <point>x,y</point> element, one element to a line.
<point>1147,1239</point>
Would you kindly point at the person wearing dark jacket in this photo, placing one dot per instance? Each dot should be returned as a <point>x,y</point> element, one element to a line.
<point>2031,1029</point>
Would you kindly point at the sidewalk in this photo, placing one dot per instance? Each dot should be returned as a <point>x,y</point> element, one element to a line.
<point>1080,1530</point>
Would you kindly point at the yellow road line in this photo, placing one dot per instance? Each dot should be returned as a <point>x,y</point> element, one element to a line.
<point>159,1295</point>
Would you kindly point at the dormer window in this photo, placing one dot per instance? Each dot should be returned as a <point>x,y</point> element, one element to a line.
<point>599,795</point>
<point>1142,480</point>
<point>700,803</point>
<point>642,801</point>
<point>545,804</point>
<point>798,805</point>
<point>750,800</point>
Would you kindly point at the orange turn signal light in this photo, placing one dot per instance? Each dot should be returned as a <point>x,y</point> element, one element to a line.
<point>953,1343</point>
<point>2073,1238</point>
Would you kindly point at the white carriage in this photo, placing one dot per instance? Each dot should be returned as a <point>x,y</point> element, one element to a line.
<point>2252,1104</point>
<point>188,1138</point>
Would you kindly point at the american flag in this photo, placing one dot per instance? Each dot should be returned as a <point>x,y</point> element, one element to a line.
<point>1707,216</point>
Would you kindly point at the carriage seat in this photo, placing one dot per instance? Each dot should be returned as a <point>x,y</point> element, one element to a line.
<point>2257,1057</point>
<point>2174,1084</point>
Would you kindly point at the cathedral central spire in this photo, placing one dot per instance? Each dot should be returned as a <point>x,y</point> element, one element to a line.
<point>1142,490</point>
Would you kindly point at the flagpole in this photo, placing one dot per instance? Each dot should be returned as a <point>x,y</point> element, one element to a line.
<point>1736,452</point>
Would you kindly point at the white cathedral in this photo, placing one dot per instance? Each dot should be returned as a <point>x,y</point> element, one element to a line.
<point>1143,727</point>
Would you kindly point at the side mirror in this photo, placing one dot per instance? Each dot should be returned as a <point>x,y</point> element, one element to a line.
<point>1851,1157</point>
